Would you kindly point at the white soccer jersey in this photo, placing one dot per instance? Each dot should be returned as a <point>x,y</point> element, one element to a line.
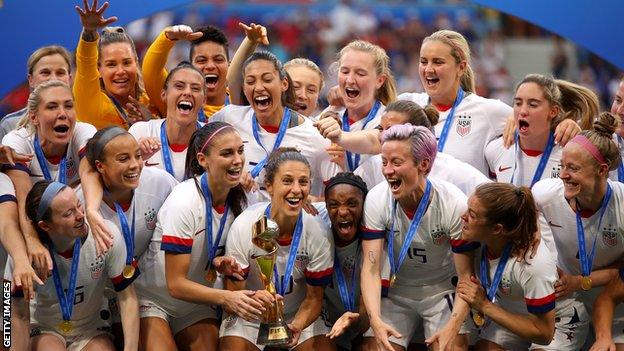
<point>93,276</point>
<point>154,187</point>
<point>429,260</point>
<point>151,129</point>
<point>476,122</point>
<point>303,137</point>
<point>445,167</point>
<point>504,163</point>
<point>181,230</point>
<point>7,194</point>
<point>313,263</point>
<point>22,141</point>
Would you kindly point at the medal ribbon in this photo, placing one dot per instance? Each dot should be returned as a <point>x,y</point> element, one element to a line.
<point>280,286</point>
<point>43,163</point>
<point>280,135</point>
<point>128,233</point>
<point>413,228</point>
<point>347,293</point>
<point>586,262</point>
<point>353,161</point>
<point>211,248</point>
<point>542,163</point>
<point>164,147</point>
<point>449,120</point>
<point>66,300</point>
<point>498,274</point>
<point>120,109</point>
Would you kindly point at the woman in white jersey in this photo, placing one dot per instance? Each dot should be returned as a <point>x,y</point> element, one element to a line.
<point>270,122</point>
<point>132,197</point>
<point>56,141</point>
<point>583,210</point>
<point>308,82</point>
<point>421,217</point>
<point>513,295</point>
<point>540,104</point>
<point>187,249</point>
<point>66,313</point>
<point>304,257</point>
<point>164,141</point>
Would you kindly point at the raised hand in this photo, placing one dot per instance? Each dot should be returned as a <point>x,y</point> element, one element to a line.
<point>183,32</point>
<point>91,17</point>
<point>8,155</point>
<point>256,33</point>
<point>149,146</point>
<point>137,111</point>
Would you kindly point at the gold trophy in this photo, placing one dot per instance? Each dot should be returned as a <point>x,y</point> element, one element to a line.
<point>273,330</point>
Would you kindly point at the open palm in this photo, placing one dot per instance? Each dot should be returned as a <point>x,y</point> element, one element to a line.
<point>91,17</point>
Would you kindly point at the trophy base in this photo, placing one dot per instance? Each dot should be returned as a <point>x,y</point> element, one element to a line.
<point>273,334</point>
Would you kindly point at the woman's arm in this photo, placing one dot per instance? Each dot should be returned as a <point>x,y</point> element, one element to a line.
<point>602,317</point>
<point>308,311</point>
<point>362,141</point>
<point>567,284</point>
<point>129,310</point>
<point>254,34</point>
<point>93,191</point>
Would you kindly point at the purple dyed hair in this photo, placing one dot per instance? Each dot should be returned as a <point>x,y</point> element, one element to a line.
<point>422,141</point>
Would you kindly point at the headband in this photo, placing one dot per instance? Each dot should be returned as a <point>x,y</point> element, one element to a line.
<point>212,136</point>
<point>345,180</point>
<point>590,147</point>
<point>105,138</point>
<point>48,196</point>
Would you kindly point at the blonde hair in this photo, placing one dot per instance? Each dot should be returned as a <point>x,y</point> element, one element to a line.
<point>460,51</point>
<point>304,62</point>
<point>34,100</point>
<point>574,101</point>
<point>111,35</point>
<point>387,92</point>
<point>602,137</point>
<point>42,52</point>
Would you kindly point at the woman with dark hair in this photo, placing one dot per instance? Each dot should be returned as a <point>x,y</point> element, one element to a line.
<point>67,308</point>
<point>304,258</point>
<point>270,122</point>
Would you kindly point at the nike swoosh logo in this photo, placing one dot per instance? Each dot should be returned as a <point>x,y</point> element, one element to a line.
<point>503,169</point>
<point>554,225</point>
<point>147,164</point>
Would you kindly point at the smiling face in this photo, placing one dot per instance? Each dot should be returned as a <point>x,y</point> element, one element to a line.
<point>118,69</point>
<point>121,163</point>
<point>225,159</point>
<point>307,84</point>
<point>184,95</point>
<point>475,224</point>
<point>617,108</point>
<point>439,72</point>
<point>532,112</point>
<point>67,217</point>
<point>47,68</point>
<point>211,59</point>
<point>345,205</point>
<point>263,88</point>
<point>579,172</point>
<point>55,117</point>
<point>358,79</point>
<point>290,188</point>
<point>400,170</point>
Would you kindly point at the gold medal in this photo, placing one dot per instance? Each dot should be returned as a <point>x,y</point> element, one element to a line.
<point>586,283</point>
<point>392,280</point>
<point>478,318</point>
<point>211,275</point>
<point>66,327</point>
<point>128,271</point>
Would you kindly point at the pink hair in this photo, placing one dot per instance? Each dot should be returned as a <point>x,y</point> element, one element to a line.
<point>422,141</point>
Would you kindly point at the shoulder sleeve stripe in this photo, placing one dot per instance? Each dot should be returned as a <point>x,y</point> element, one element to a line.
<point>175,244</point>
<point>7,198</point>
<point>120,282</point>
<point>385,286</point>
<point>371,234</point>
<point>540,305</point>
<point>321,278</point>
<point>459,246</point>
<point>19,166</point>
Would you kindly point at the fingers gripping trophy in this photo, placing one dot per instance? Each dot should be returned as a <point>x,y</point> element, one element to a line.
<point>273,330</point>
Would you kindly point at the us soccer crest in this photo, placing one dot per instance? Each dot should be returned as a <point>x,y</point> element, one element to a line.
<point>70,169</point>
<point>301,261</point>
<point>609,236</point>
<point>438,235</point>
<point>150,219</point>
<point>505,286</point>
<point>96,267</point>
<point>554,173</point>
<point>464,124</point>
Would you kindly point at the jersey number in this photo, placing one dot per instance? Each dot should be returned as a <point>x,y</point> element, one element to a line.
<point>416,252</point>
<point>78,295</point>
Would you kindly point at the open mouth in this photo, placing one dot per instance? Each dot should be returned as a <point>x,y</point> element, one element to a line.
<point>234,173</point>
<point>185,106</point>
<point>211,80</point>
<point>301,107</point>
<point>121,81</point>
<point>345,227</point>
<point>131,177</point>
<point>262,101</point>
<point>430,81</point>
<point>394,184</point>
<point>62,129</point>
<point>294,201</point>
<point>352,93</point>
<point>523,125</point>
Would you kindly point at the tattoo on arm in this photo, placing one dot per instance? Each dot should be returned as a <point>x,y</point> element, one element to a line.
<point>89,35</point>
<point>371,257</point>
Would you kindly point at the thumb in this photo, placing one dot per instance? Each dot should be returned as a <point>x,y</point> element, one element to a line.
<point>194,36</point>
<point>394,333</point>
<point>432,339</point>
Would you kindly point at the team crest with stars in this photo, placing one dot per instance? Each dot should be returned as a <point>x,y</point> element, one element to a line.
<point>554,173</point>
<point>464,124</point>
<point>150,219</point>
<point>505,286</point>
<point>96,267</point>
<point>70,170</point>
<point>301,260</point>
<point>439,236</point>
<point>609,236</point>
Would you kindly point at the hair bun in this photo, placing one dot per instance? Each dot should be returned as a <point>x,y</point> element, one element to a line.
<point>113,30</point>
<point>606,124</point>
